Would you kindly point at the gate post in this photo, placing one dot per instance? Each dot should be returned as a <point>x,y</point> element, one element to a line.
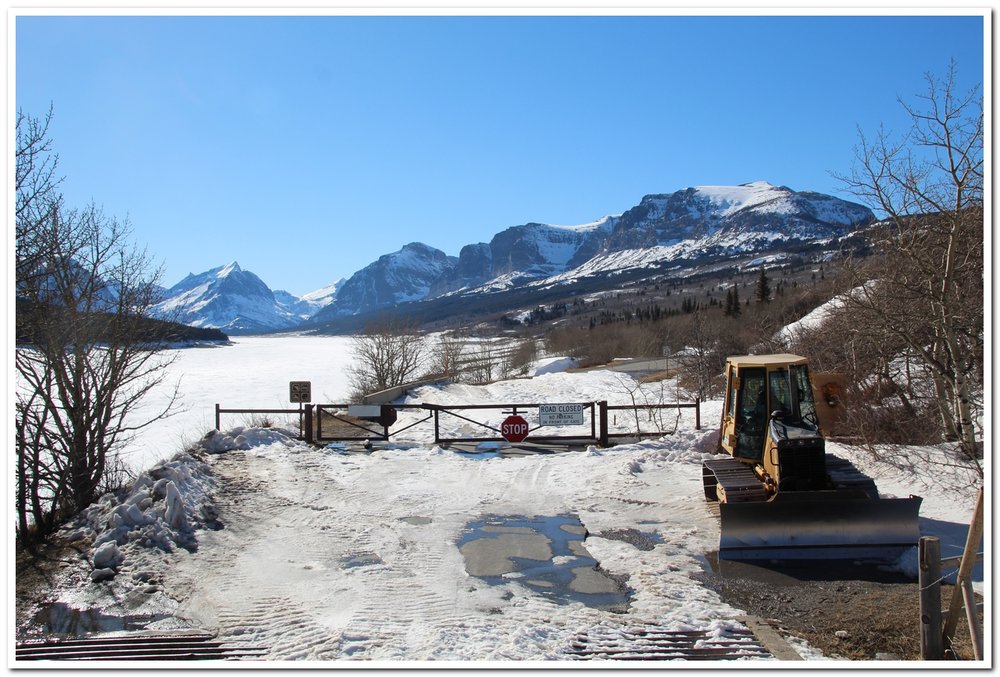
<point>931,637</point>
<point>308,423</point>
<point>602,440</point>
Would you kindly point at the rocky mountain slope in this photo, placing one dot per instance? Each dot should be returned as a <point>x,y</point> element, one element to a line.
<point>684,230</point>
<point>227,298</point>
<point>399,277</point>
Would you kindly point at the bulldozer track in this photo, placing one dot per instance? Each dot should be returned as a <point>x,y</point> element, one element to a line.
<point>739,484</point>
<point>845,476</point>
<point>737,481</point>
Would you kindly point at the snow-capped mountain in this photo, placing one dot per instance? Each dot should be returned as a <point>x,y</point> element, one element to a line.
<point>521,254</point>
<point>307,305</point>
<point>696,223</point>
<point>695,226</point>
<point>227,298</point>
<point>405,275</point>
<point>712,222</point>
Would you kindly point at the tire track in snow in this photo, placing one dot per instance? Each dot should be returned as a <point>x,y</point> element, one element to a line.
<point>281,626</point>
<point>382,624</point>
<point>324,568</point>
<point>251,574</point>
<point>521,487</point>
<point>380,627</point>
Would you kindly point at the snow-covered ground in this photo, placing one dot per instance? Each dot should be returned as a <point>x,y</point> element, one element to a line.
<point>252,373</point>
<point>324,555</point>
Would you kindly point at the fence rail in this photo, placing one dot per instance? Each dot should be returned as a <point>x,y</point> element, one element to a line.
<point>219,411</point>
<point>696,405</point>
<point>328,422</point>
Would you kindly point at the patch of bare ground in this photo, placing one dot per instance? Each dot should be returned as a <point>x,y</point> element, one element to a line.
<point>658,376</point>
<point>39,573</point>
<point>845,619</point>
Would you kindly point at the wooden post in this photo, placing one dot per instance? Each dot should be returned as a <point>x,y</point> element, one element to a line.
<point>931,637</point>
<point>697,413</point>
<point>972,615</point>
<point>602,440</point>
<point>969,556</point>
<point>217,416</point>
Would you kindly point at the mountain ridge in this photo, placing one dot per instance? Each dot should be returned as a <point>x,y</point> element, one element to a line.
<point>690,226</point>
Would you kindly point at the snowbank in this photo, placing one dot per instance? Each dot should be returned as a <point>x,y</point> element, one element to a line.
<point>163,510</point>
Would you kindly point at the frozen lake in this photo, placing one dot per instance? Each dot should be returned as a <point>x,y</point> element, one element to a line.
<point>252,373</point>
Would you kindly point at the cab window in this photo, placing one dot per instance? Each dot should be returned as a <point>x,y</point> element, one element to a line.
<point>751,420</point>
<point>781,396</point>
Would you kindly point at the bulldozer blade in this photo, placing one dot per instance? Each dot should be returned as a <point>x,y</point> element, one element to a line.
<point>819,525</point>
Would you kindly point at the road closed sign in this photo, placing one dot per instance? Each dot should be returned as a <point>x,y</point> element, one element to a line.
<point>560,414</point>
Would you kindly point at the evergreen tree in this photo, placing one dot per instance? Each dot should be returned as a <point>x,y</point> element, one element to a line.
<point>763,293</point>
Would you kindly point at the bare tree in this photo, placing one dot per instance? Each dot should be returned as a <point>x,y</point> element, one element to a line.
<point>446,356</point>
<point>483,366</point>
<point>385,356</point>
<point>924,287</point>
<point>36,198</point>
<point>87,353</point>
<point>86,358</point>
<point>522,356</point>
<point>704,337</point>
<point>886,402</point>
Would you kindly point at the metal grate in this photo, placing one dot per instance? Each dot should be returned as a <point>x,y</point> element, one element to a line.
<point>135,647</point>
<point>655,644</point>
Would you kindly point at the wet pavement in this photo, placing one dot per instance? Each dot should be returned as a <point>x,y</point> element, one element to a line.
<point>543,553</point>
<point>62,619</point>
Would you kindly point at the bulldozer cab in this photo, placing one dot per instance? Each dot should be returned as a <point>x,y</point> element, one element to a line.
<point>761,391</point>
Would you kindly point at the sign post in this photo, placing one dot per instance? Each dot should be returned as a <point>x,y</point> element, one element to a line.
<point>514,429</point>
<point>300,392</point>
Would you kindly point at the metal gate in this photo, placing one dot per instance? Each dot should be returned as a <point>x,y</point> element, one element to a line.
<point>334,422</point>
<point>337,423</point>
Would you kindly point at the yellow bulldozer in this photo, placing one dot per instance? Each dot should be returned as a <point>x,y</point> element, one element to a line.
<point>780,494</point>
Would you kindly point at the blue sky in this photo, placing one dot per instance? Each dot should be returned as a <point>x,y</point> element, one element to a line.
<point>304,147</point>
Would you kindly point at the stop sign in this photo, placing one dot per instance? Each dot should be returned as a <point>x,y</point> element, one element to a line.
<point>514,428</point>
